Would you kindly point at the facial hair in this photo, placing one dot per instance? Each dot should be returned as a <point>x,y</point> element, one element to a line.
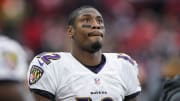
<point>95,47</point>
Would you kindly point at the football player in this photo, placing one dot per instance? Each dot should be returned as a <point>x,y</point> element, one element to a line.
<point>13,68</point>
<point>85,73</point>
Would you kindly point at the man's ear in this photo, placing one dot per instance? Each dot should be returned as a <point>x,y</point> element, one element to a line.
<point>70,31</point>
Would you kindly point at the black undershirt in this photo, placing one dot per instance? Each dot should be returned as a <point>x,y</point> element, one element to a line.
<point>98,67</point>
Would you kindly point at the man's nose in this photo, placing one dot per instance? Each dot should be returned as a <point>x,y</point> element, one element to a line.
<point>96,25</point>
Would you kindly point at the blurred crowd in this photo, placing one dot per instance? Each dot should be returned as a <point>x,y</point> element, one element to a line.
<point>147,30</point>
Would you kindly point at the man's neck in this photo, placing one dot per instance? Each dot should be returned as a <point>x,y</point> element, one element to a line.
<point>86,58</point>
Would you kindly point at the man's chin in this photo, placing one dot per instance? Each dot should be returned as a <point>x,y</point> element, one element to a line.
<point>96,47</point>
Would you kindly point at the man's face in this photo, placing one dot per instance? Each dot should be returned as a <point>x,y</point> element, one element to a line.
<point>89,30</point>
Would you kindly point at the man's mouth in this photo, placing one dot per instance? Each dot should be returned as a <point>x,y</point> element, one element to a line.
<point>95,33</point>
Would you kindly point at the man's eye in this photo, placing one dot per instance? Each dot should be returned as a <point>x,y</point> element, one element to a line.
<point>86,20</point>
<point>100,21</point>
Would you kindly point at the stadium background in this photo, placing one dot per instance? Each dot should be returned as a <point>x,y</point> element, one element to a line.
<point>147,30</point>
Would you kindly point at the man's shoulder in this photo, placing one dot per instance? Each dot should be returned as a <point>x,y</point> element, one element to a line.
<point>46,64</point>
<point>117,55</point>
<point>123,57</point>
<point>51,57</point>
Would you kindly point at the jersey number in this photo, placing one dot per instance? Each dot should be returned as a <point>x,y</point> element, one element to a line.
<point>47,58</point>
<point>89,99</point>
